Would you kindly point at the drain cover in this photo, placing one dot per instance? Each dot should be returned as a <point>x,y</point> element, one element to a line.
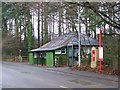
<point>82,82</point>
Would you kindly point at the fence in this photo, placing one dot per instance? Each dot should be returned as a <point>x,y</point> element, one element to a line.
<point>15,58</point>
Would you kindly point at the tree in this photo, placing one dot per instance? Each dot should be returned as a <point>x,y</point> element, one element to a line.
<point>60,19</point>
<point>45,14</point>
<point>15,12</point>
<point>38,24</point>
<point>42,28</point>
<point>97,8</point>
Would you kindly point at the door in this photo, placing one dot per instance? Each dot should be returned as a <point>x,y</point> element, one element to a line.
<point>70,56</point>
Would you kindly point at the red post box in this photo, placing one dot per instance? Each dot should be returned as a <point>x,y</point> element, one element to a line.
<point>93,55</point>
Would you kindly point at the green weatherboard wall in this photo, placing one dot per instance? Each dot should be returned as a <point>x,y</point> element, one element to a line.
<point>62,59</point>
<point>49,59</point>
<point>31,59</point>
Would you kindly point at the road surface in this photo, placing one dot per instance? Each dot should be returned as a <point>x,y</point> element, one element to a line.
<point>21,75</point>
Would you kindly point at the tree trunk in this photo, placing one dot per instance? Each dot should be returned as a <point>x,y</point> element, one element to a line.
<point>17,36</point>
<point>29,32</point>
<point>4,21</point>
<point>42,28</point>
<point>53,28</point>
<point>60,17</point>
<point>38,24</point>
<point>45,23</point>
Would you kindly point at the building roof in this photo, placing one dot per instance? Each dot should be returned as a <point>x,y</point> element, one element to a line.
<point>67,40</point>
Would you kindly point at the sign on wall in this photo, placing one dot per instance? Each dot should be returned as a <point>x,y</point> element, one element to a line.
<point>57,51</point>
<point>62,51</point>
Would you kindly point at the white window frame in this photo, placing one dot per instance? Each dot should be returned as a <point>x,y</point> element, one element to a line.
<point>64,50</point>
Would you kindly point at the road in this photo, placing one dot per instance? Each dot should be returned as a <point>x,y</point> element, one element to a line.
<point>21,75</point>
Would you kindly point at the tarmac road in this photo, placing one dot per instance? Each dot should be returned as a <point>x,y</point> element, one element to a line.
<point>22,75</point>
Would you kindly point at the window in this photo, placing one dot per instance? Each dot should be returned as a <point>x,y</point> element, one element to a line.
<point>35,55</point>
<point>63,51</point>
<point>58,52</point>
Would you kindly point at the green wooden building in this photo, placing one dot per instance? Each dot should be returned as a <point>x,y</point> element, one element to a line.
<point>61,51</point>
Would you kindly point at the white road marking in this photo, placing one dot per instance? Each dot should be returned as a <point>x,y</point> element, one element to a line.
<point>63,86</point>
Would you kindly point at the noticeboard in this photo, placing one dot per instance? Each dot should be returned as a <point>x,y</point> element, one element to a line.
<point>100,53</point>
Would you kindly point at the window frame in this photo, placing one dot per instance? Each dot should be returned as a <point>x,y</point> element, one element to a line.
<point>63,49</point>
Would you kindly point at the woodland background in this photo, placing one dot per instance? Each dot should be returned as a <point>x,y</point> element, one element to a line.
<point>56,18</point>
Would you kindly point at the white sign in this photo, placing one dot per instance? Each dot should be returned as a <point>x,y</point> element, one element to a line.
<point>58,52</point>
<point>100,56</point>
